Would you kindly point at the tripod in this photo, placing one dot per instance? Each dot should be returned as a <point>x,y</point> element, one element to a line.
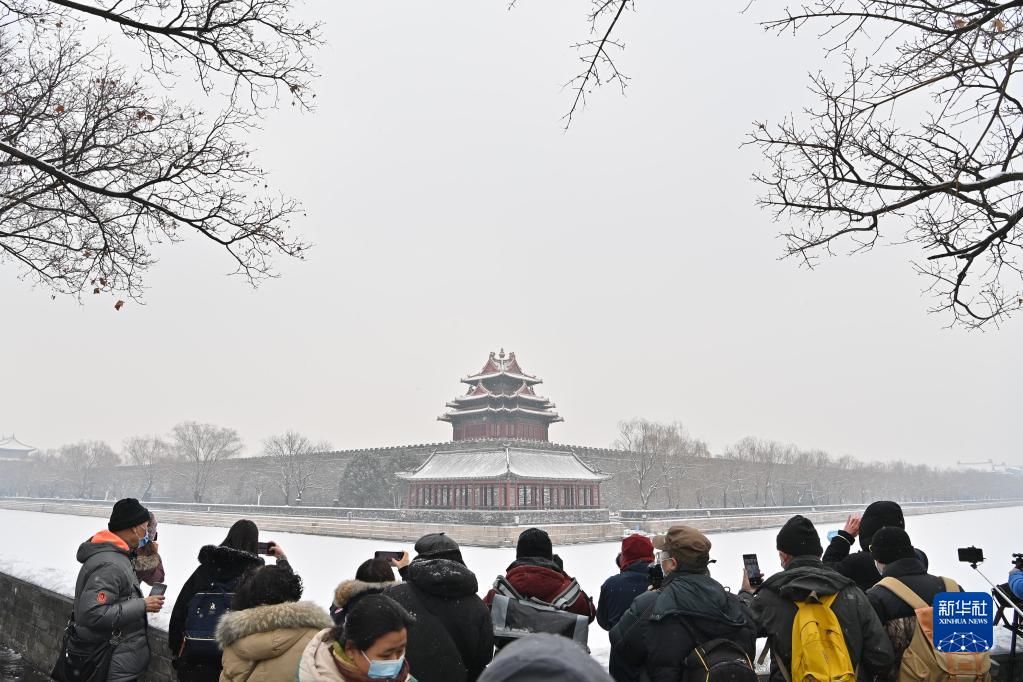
<point>1003,601</point>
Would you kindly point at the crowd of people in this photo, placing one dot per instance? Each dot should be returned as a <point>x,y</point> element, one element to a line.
<point>420,617</point>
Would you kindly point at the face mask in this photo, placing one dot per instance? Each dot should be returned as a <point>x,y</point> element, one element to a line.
<point>384,670</point>
<point>879,567</point>
<point>145,540</point>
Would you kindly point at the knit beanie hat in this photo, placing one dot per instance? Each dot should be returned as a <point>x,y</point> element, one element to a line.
<point>127,513</point>
<point>798,537</point>
<point>534,542</point>
<point>891,544</point>
<point>636,548</point>
<point>876,516</point>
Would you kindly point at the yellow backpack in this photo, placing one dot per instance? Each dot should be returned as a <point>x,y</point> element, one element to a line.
<point>819,652</point>
<point>921,662</point>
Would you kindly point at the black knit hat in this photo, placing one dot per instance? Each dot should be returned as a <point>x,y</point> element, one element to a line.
<point>798,537</point>
<point>876,516</point>
<point>891,544</point>
<point>127,513</point>
<point>534,542</point>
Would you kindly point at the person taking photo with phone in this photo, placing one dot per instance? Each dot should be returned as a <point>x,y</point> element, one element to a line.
<point>210,589</point>
<point>452,639</point>
<point>109,605</point>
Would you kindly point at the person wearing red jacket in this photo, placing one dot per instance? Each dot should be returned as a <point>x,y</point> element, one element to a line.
<point>534,573</point>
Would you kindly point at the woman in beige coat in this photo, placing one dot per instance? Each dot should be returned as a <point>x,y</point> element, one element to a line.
<point>267,629</point>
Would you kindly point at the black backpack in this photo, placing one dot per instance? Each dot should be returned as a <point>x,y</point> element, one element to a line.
<point>515,616</point>
<point>204,612</point>
<point>719,660</point>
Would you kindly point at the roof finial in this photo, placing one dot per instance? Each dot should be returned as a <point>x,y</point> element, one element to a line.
<point>502,354</point>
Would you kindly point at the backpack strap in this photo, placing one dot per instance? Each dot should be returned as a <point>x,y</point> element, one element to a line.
<point>502,586</point>
<point>781,666</point>
<point>567,596</point>
<point>951,585</point>
<point>900,590</point>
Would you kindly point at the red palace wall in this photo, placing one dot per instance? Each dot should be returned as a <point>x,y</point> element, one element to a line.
<point>523,429</point>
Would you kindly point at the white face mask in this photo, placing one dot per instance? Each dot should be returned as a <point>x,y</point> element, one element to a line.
<point>879,567</point>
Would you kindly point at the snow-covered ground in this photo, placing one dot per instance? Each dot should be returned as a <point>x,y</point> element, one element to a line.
<point>41,548</point>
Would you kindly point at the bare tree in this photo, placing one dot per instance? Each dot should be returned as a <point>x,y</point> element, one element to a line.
<point>96,167</point>
<point>202,447</point>
<point>81,463</point>
<point>864,165</point>
<point>661,455</point>
<point>290,454</point>
<point>146,453</point>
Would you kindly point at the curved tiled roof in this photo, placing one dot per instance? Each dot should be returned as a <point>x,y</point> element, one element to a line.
<point>503,463</point>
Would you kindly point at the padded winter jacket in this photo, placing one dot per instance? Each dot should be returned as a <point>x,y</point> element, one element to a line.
<point>661,628</point>
<point>265,643</point>
<point>453,637</point>
<point>858,565</point>
<point>108,599</point>
<point>897,617</point>
<point>216,565</point>
<point>541,578</point>
<point>618,591</point>
<point>774,608</point>
<point>319,665</point>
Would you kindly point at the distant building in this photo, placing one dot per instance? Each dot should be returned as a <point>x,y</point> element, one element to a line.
<point>13,450</point>
<point>502,406</point>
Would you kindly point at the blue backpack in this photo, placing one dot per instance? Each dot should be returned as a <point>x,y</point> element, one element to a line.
<point>204,612</point>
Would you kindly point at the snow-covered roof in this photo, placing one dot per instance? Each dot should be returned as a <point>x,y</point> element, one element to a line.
<point>11,445</point>
<point>448,416</point>
<point>515,462</point>
<point>501,365</point>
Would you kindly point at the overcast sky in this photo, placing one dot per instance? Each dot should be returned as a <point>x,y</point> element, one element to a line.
<point>624,261</point>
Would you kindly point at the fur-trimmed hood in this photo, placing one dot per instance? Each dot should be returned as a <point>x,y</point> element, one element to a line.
<point>300,615</point>
<point>227,563</point>
<point>350,589</point>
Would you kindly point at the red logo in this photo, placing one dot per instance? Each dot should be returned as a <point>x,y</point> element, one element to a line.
<point>101,597</point>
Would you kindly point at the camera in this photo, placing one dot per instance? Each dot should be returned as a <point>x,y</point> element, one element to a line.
<point>1017,561</point>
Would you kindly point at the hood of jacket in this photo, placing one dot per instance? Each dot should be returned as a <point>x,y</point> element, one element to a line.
<point>300,615</point>
<point>536,579</point>
<point>101,543</point>
<point>805,576</point>
<point>903,567</point>
<point>696,595</point>
<point>641,566</point>
<point>350,589</point>
<point>225,563</point>
<point>543,657</point>
<point>442,578</point>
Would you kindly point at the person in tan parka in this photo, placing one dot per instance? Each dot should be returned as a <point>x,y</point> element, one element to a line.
<point>267,629</point>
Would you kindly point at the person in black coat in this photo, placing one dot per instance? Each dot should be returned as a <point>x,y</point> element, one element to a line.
<point>662,627</point>
<point>896,558</point>
<point>859,566</point>
<point>222,565</point>
<point>452,639</point>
